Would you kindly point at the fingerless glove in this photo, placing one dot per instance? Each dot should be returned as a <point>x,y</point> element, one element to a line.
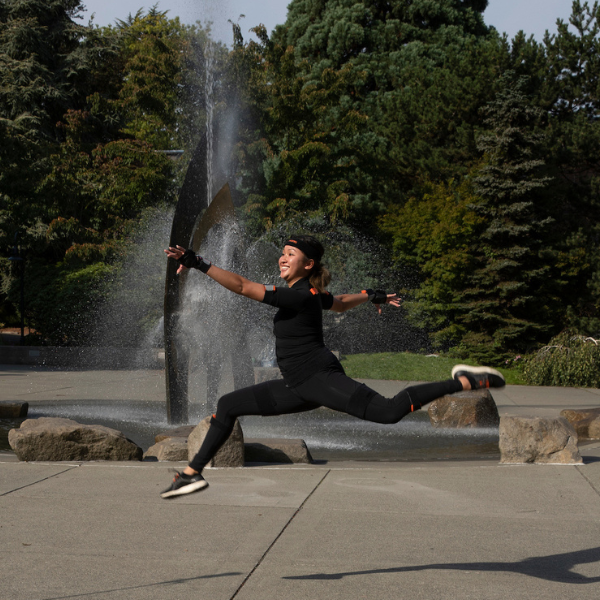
<point>376,296</point>
<point>190,260</point>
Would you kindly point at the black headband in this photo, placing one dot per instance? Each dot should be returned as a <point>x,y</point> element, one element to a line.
<point>309,251</point>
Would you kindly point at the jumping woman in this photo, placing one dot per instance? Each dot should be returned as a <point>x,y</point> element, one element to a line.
<point>312,375</point>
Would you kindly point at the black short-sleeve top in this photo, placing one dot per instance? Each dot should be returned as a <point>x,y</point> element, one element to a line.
<point>298,329</point>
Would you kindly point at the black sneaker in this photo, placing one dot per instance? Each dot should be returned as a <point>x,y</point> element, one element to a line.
<point>479,377</point>
<point>185,484</point>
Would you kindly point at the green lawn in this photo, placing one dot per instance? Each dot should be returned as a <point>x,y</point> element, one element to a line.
<point>410,367</point>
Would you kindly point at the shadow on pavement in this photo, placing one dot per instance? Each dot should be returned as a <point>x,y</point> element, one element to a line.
<point>140,587</point>
<point>556,567</point>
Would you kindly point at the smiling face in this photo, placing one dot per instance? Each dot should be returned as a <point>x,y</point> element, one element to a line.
<point>293,265</point>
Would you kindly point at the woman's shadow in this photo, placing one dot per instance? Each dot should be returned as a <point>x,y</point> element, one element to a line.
<point>556,567</point>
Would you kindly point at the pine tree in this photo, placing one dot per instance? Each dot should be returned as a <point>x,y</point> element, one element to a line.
<point>44,66</point>
<point>572,75</point>
<point>418,70</point>
<point>509,305</point>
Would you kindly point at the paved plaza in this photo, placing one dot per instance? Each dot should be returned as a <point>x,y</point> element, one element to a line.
<point>334,530</point>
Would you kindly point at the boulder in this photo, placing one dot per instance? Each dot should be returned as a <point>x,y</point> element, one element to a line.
<point>275,450</point>
<point>172,449</point>
<point>13,410</point>
<point>231,453</point>
<point>538,440</point>
<point>586,422</point>
<point>53,439</point>
<point>179,432</point>
<point>465,409</point>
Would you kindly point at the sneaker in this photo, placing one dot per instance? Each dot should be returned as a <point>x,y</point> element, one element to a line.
<point>185,484</point>
<point>479,377</point>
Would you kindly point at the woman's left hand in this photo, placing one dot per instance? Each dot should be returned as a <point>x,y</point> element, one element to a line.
<point>392,299</point>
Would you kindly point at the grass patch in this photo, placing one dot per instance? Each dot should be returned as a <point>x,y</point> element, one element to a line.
<point>411,367</point>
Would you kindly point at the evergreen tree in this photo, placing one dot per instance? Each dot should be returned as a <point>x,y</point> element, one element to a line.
<point>305,143</point>
<point>573,72</point>
<point>510,303</point>
<point>417,71</point>
<point>41,61</point>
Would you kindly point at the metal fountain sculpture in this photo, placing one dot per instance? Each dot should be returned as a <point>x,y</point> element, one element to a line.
<point>196,215</point>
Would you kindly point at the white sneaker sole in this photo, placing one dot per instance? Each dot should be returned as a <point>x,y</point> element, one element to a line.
<point>471,369</point>
<point>196,486</point>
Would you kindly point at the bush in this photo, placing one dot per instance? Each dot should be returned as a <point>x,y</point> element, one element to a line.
<point>569,360</point>
<point>61,300</point>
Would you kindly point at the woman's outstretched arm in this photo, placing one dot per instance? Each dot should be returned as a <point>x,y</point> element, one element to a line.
<point>345,302</point>
<point>231,281</point>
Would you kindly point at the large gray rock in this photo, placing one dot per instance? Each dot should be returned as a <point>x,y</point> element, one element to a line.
<point>231,453</point>
<point>465,409</point>
<point>172,449</point>
<point>13,410</point>
<point>275,450</point>
<point>538,440</point>
<point>53,439</point>
<point>586,422</point>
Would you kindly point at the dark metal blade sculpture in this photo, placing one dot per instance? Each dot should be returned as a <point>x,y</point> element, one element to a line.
<point>194,218</point>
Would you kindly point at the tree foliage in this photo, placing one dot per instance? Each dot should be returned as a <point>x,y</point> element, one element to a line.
<point>417,71</point>
<point>432,239</point>
<point>473,158</point>
<point>86,115</point>
<point>507,300</point>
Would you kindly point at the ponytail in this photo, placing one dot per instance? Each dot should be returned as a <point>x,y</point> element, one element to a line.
<point>320,277</point>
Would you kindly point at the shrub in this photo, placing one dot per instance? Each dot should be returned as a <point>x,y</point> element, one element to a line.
<point>569,360</point>
<point>61,300</point>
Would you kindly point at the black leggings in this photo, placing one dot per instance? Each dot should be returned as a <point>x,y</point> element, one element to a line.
<point>333,389</point>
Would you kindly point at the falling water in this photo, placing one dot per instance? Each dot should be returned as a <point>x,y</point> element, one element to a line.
<point>209,101</point>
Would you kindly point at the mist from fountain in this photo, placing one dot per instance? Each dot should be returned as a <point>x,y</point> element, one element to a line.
<point>128,318</point>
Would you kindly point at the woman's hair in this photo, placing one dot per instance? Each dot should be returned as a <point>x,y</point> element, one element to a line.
<point>319,276</point>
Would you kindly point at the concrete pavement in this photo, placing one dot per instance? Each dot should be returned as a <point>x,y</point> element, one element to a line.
<point>346,530</point>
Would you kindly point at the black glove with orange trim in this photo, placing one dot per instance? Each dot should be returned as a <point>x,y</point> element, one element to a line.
<point>190,260</point>
<point>376,296</point>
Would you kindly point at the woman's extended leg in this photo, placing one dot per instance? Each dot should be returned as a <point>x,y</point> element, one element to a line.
<point>336,390</point>
<point>410,399</point>
<point>268,398</point>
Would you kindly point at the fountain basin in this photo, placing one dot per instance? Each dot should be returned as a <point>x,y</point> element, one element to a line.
<point>329,435</point>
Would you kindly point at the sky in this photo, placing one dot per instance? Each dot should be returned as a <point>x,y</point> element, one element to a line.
<point>534,17</point>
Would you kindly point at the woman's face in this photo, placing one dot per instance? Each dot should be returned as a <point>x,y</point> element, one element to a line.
<point>293,265</point>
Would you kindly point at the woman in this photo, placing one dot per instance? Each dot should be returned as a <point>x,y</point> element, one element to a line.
<point>312,375</point>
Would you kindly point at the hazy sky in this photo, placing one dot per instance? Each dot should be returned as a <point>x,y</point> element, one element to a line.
<point>510,16</point>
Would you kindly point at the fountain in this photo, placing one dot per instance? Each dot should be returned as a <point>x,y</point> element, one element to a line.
<point>212,336</point>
